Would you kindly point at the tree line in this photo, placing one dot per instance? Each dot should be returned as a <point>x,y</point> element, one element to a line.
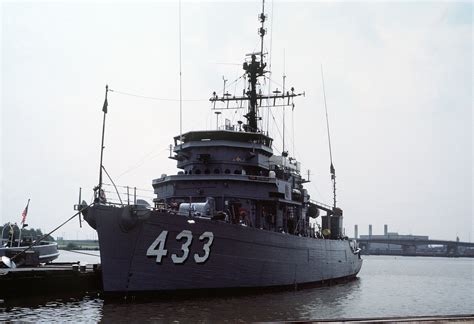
<point>26,233</point>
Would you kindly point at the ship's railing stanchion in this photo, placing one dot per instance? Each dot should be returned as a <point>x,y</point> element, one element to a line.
<point>78,204</point>
<point>2,239</point>
<point>134,195</point>
<point>19,237</point>
<point>128,195</point>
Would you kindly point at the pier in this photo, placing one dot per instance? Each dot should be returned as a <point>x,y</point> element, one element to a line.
<point>52,278</point>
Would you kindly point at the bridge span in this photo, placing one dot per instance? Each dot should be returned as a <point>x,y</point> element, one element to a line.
<point>415,246</point>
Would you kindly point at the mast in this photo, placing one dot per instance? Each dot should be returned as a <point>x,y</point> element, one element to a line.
<point>284,114</point>
<point>255,68</point>
<point>262,31</point>
<point>332,170</point>
<point>104,109</point>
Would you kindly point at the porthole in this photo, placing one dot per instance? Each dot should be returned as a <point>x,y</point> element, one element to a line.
<point>227,171</point>
<point>207,171</point>
<point>217,171</point>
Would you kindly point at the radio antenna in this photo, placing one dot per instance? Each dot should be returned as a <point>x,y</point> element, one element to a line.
<point>104,110</point>
<point>180,82</point>
<point>284,113</point>
<point>262,30</point>
<point>331,169</point>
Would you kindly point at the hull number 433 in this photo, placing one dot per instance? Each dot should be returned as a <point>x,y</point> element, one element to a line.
<point>157,248</point>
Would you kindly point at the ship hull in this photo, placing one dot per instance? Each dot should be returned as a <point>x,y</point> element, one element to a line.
<point>187,258</point>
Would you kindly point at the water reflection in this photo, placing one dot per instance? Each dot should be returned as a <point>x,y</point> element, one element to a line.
<point>275,306</point>
<point>387,286</point>
<point>45,309</point>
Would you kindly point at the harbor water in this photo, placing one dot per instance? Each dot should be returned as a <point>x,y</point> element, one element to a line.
<point>387,286</point>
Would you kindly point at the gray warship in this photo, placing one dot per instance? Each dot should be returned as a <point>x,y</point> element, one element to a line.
<point>235,216</point>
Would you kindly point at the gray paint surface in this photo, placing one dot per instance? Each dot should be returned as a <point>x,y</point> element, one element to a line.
<point>239,256</point>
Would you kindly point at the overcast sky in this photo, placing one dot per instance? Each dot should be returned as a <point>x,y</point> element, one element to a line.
<point>398,79</point>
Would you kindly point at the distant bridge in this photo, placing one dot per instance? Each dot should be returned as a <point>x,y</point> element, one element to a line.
<point>409,246</point>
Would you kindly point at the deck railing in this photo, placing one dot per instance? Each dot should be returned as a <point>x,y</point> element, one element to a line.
<point>126,195</point>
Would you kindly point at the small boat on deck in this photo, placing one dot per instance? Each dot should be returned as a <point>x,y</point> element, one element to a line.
<point>25,251</point>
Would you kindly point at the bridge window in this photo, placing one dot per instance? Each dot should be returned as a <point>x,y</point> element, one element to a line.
<point>190,171</point>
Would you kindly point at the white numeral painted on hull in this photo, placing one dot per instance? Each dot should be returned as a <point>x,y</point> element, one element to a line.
<point>185,247</point>
<point>157,248</point>
<point>160,243</point>
<point>206,247</point>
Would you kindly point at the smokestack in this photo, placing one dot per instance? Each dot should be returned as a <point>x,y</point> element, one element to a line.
<point>385,230</point>
<point>356,231</point>
<point>370,231</point>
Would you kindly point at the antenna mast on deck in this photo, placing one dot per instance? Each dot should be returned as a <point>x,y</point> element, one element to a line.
<point>331,168</point>
<point>98,189</point>
<point>254,69</point>
<point>180,82</point>
<point>262,31</point>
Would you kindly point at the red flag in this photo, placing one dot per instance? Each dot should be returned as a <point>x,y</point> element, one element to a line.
<point>25,212</point>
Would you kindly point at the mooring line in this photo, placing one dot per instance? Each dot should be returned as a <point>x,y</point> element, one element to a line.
<point>46,235</point>
<point>83,253</point>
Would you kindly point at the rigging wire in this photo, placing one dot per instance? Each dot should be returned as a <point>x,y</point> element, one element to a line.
<point>331,168</point>
<point>37,241</point>
<point>152,98</point>
<point>125,187</point>
<point>293,130</point>
<point>327,119</point>
<point>150,155</point>
<point>270,65</point>
<point>165,99</point>
<point>229,84</point>
<point>292,140</point>
<point>85,253</point>
<point>125,194</point>
<point>110,178</point>
<point>283,91</point>
<point>276,125</point>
